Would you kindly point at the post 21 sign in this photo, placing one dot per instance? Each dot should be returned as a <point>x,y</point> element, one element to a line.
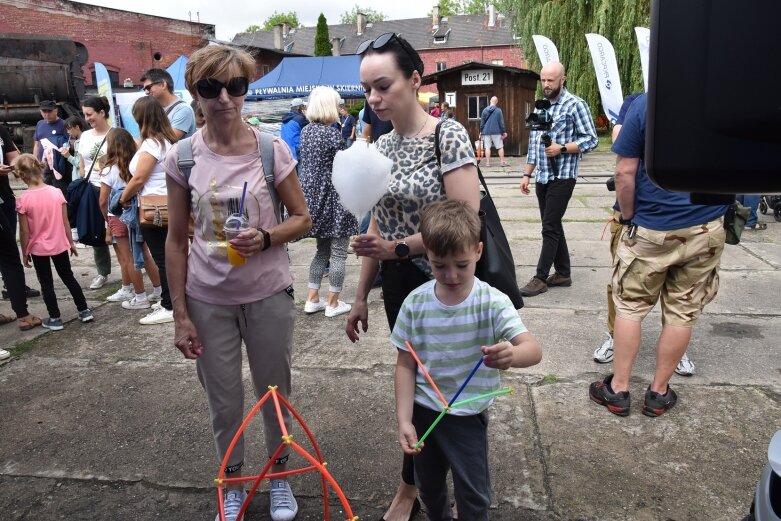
<point>477,77</point>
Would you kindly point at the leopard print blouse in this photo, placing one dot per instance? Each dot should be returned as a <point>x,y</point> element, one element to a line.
<point>417,179</point>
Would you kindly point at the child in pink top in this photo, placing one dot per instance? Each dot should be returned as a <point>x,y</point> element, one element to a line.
<point>45,235</point>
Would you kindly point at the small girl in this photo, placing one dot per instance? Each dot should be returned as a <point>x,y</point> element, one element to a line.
<point>120,149</point>
<point>45,235</point>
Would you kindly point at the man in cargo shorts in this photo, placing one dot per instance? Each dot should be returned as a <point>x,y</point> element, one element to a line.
<point>669,249</point>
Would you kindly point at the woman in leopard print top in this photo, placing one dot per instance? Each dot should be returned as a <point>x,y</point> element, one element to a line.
<point>391,72</point>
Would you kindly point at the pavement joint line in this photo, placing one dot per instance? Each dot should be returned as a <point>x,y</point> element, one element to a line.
<point>757,256</point>
<point>538,442</point>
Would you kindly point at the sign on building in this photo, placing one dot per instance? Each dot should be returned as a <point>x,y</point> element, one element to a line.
<point>450,98</point>
<point>477,77</point>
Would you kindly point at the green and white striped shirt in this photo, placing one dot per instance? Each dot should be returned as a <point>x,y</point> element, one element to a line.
<point>447,339</point>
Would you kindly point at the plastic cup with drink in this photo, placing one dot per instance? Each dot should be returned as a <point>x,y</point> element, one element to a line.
<point>234,225</point>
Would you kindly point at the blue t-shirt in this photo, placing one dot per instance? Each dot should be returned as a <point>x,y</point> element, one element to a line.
<point>50,131</point>
<point>655,208</point>
<point>182,118</point>
<point>347,126</point>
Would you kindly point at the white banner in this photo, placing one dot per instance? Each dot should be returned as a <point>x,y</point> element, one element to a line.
<point>604,58</point>
<point>644,43</point>
<point>546,49</point>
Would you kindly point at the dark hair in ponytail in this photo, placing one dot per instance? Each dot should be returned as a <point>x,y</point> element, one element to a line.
<point>98,103</point>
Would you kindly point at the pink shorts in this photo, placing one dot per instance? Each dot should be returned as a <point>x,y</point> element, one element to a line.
<point>117,227</point>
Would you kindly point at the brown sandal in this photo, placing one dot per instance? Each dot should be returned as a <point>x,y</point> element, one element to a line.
<point>4,319</point>
<point>28,322</point>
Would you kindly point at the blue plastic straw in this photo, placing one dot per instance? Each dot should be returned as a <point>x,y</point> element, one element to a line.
<point>241,206</point>
<point>463,385</point>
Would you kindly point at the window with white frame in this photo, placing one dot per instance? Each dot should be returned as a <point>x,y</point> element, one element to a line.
<point>475,106</point>
<point>441,66</point>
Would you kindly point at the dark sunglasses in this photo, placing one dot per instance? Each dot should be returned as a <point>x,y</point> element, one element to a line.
<point>383,40</point>
<point>148,88</point>
<point>210,88</point>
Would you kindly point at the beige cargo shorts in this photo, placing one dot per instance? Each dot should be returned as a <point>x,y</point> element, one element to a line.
<point>680,266</point>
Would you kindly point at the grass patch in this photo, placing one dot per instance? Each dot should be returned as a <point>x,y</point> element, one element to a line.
<point>24,346</point>
<point>605,142</point>
<point>549,379</point>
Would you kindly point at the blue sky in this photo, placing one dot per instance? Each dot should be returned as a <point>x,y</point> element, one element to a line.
<point>232,16</point>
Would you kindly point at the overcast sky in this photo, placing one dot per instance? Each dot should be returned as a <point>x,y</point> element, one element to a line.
<point>233,16</point>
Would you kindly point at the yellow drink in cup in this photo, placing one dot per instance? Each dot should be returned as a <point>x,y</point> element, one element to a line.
<point>234,225</point>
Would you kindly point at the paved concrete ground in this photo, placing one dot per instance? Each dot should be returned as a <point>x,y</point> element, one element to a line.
<point>107,421</point>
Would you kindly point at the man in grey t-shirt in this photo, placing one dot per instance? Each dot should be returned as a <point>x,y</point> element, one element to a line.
<point>160,84</point>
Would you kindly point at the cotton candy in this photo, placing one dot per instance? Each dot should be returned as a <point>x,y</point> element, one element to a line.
<point>360,176</point>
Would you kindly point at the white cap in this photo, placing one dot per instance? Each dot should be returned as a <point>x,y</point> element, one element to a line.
<point>297,102</point>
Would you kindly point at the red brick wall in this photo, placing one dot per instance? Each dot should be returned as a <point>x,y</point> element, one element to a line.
<point>123,41</point>
<point>512,56</point>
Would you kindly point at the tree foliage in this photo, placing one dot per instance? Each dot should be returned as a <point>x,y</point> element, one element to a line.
<point>252,28</point>
<point>566,23</point>
<point>449,8</point>
<point>351,17</point>
<point>290,18</point>
<point>322,40</point>
<point>454,7</point>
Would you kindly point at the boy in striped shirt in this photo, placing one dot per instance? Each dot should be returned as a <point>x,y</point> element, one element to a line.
<point>451,322</point>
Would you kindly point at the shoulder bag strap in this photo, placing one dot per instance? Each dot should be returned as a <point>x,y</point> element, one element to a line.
<point>266,149</point>
<point>95,157</point>
<point>186,161</point>
<point>439,159</point>
<point>172,107</point>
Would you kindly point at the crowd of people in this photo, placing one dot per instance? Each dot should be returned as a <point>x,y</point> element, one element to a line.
<point>223,288</point>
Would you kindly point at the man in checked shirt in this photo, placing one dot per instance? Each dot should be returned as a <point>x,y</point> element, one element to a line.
<point>572,133</point>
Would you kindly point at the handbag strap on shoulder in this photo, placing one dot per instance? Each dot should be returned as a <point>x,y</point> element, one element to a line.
<point>438,153</point>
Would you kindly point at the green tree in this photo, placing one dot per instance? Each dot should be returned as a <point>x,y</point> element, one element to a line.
<point>566,23</point>
<point>350,17</point>
<point>290,18</point>
<point>252,29</point>
<point>474,6</point>
<point>449,8</point>
<point>322,40</point>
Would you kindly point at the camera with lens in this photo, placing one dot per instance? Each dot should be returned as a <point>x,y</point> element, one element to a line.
<point>541,118</point>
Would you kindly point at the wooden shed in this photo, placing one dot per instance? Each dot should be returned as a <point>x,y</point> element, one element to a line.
<point>469,87</point>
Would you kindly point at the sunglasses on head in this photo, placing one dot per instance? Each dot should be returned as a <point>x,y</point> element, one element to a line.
<point>148,88</point>
<point>210,88</point>
<point>383,40</point>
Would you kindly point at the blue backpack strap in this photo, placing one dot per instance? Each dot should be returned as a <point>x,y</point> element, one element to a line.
<point>266,149</point>
<point>186,161</point>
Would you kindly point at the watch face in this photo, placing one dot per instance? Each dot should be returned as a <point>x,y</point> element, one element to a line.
<point>563,150</point>
<point>402,250</point>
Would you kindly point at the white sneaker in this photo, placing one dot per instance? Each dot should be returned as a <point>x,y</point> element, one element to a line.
<point>232,504</point>
<point>158,316</point>
<point>121,295</point>
<point>685,367</point>
<point>136,303</point>
<point>98,282</point>
<point>283,504</point>
<point>604,353</point>
<point>339,309</point>
<point>313,307</point>
<point>155,296</point>
<point>4,354</point>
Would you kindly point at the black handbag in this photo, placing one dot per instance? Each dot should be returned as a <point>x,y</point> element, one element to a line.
<point>496,266</point>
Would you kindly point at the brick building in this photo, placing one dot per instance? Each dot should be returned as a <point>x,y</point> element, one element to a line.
<point>126,43</point>
<point>442,42</point>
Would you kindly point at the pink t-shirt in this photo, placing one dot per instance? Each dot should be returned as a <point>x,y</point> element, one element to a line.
<point>43,208</point>
<point>215,185</point>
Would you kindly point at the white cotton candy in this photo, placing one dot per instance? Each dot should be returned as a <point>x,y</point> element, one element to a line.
<point>361,176</point>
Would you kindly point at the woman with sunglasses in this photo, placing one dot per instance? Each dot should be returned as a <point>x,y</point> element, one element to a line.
<point>391,72</point>
<point>92,149</point>
<point>148,178</point>
<point>219,304</point>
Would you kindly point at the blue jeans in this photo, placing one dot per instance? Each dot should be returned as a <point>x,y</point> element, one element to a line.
<point>752,202</point>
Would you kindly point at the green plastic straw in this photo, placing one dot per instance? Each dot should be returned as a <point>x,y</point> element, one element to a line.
<point>500,392</point>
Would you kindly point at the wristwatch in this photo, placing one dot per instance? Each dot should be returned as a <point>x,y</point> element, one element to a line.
<point>402,250</point>
<point>563,149</point>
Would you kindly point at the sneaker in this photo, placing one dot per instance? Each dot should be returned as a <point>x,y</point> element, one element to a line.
<point>4,354</point>
<point>604,353</point>
<point>154,297</point>
<point>685,367</point>
<point>232,504</point>
<point>657,404</point>
<point>559,280</point>
<point>617,403</point>
<point>98,282</point>
<point>339,309</point>
<point>86,315</point>
<point>283,504</point>
<point>121,295</point>
<point>534,287</point>
<point>158,316</point>
<point>55,324</point>
<point>313,307</point>
<point>136,303</point>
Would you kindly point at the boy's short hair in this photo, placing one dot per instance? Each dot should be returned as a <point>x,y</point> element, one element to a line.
<point>449,227</point>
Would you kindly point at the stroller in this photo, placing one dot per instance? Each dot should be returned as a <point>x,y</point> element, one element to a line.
<point>771,202</point>
<point>767,500</point>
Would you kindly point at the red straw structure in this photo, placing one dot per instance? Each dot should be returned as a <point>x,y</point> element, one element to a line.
<point>425,373</point>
